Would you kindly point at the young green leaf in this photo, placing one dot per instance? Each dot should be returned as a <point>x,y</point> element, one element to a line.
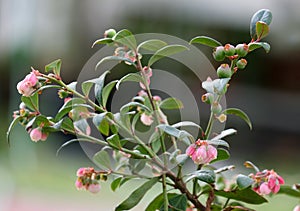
<point>114,141</point>
<point>54,67</point>
<point>186,124</point>
<point>125,37</point>
<point>87,85</point>
<point>256,45</point>
<point>244,181</point>
<point>239,113</point>
<point>263,15</point>
<point>114,58</point>
<point>218,142</point>
<point>152,45</point>
<point>245,195</point>
<point>207,176</point>
<point>106,92</point>
<point>115,184</point>
<point>105,40</point>
<point>224,133</point>
<point>102,158</point>
<point>31,102</point>
<point>165,52</point>
<point>204,40</point>
<point>262,30</point>
<point>135,77</point>
<point>249,164</point>
<point>171,103</point>
<point>137,195</point>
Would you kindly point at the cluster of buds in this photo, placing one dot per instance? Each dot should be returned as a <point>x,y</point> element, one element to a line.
<point>233,53</point>
<point>88,179</point>
<point>266,182</point>
<point>147,72</point>
<point>29,84</point>
<point>201,152</point>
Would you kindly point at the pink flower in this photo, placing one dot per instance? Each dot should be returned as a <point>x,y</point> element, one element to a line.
<point>36,134</point>
<point>156,98</point>
<point>274,181</point>
<point>264,188</point>
<point>146,119</point>
<point>26,86</point>
<point>80,172</point>
<point>267,181</point>
<point>191,150</point>
<point>297,208</point>
<point>201,152</point>
<point>94,188</point>
<point>78,184</point>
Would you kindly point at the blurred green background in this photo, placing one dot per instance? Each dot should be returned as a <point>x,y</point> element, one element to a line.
<point>33,33</point>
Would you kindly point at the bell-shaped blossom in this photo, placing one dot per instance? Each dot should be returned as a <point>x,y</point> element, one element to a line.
<point>297,208</point>
<point>267,181</point>
<point>146,119</point>
<point>26,86</point>
<point>201,152</point>
<point>36,135</point>
<point>94,188</point>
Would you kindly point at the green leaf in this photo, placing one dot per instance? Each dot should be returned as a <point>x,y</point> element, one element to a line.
<point>284,189</point>
<point>207,176</point>
<point>152,45</point>
<point>137,195</point>
<point>245,195</point>
<point>68,106</point>
<point>82,126</point>
<point>125,108</point>
<point>171,103</point>
<point>244,181</point>
<point>87,85</point>
<point>218,142</point>
<point>224,133</point>
<point>11,126</point>
<point>114,141</point>
<point>135,77</point>
<point>98,118</point>
<point>31,102</point>
<point>105,40</point>
<point>263,15</point>
<point>222,155</point>
<point>126,38</point>
<point>106,92</point>
<point>256,45</point>
<point>115,184</point>
<point>262,30</point>
<point>204,40</point>
<point>102,158</point>
<point>113,58</point>
<point>177,202</point>
<point>54,67</point>
<point>186,124</point>
<point>158,201</point>
<point>166,51</point>
<point>239,113</point>
<point>179,134</point>
<point>72,85</point>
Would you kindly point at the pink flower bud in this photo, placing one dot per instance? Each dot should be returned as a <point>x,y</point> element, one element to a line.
<point>146,119</point>
<point>94,188</point>
<point>156,98</point>
<point>36,134</point>
<point>78,184</point>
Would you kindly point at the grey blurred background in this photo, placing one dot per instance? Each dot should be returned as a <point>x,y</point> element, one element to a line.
<point>33,33</point>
